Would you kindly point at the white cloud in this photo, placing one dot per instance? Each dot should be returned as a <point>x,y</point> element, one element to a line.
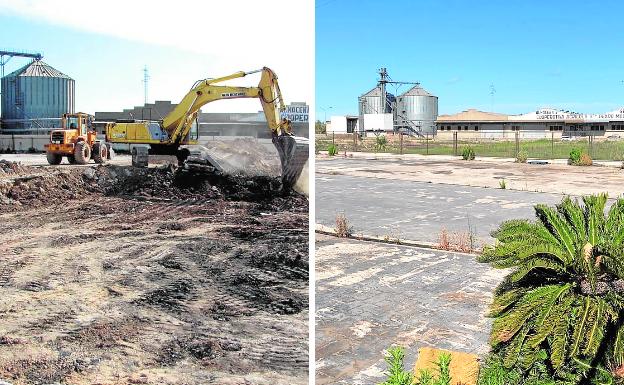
<point>230,35</point>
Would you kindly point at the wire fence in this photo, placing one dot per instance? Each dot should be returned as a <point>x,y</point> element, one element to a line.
<point>597,147</point>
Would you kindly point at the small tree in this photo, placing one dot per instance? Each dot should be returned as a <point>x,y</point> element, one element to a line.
<point>320,127</point>
<point>380,142</point>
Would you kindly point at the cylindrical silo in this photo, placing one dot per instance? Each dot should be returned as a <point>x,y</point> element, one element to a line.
<point>417,110</point>
<point>36,96</point>
<point>370,103</point>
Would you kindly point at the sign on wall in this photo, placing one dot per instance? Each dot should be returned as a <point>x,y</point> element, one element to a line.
<point>553,114</point>
<point>297,113</point>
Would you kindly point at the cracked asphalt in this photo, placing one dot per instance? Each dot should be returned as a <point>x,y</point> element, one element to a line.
<point>370,296</point>
<point>419,210</point>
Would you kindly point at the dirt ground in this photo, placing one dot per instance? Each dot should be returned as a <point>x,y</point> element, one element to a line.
<point>486,172</point>
<point>109,275</point>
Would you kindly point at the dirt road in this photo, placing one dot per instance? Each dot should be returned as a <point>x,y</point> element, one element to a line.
<point>113,277</point>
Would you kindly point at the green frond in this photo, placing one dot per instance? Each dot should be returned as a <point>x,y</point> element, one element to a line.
<point>618,347</point>
<point>559,227</point>
<point>512,351</point>
<point>535,263</point>
<point>530,305</point>
<point>595,333</point>
<point>594,216</point>
<point>581,321</point>
<point>574,214</point>
<point>615,219</point>
<point>560,340</point>
<point>545,325</point>
<point>502,301</point>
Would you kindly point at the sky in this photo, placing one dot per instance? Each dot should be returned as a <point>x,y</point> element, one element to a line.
<point>104,46</point>
<point>561,54</point>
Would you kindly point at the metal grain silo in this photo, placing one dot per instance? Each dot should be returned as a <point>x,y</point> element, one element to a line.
<point>370,102</point>
<point>417,110</point>
<point>36,96</point>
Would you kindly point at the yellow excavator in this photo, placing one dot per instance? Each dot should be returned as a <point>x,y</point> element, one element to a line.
<point>177,133</point>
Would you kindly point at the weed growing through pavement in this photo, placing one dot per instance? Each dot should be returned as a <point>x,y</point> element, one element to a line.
<point>502,184</point>
<point>343,228</point>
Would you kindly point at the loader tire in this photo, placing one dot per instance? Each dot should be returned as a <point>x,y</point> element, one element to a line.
<point>71,159</point>
<point>53,158</point>
<point>100,153</point>
<point>82,153</point>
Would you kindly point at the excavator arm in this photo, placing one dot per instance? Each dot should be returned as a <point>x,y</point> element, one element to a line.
<point>293,151</point>
<point>179,121</point>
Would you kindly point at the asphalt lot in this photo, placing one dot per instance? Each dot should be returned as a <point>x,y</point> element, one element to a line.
<point>419,210</point>
<point>554,178</point>
<point>370,296</point>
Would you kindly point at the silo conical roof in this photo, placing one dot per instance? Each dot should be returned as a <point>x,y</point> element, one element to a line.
<point>38,68</point>
<point>417,90</point>
<point>374,92</point>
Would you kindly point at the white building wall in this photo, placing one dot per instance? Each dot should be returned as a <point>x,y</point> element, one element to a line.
<point>337,125</point>
<point>378,122</point>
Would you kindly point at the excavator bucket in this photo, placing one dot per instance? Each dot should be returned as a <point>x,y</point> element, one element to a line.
<point>294,152</point>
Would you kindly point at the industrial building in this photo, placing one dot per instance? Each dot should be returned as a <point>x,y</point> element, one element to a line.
<point>35,96</point>
<point>413,112</point>
<point>542,123</point>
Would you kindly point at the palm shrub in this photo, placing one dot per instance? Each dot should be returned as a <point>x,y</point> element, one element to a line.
<point>468,153</point>
<point>560,309</point>
<point>332,150</point>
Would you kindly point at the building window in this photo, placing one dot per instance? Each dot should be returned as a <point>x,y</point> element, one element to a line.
<point>476,128</point>
<point>601,128</point>
<point>458,128</point>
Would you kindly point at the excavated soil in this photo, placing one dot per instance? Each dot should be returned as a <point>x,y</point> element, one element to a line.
<point>115,275</point>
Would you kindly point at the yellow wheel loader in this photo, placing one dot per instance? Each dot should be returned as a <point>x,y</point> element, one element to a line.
<point>177,134</point>
<point>76,140</point>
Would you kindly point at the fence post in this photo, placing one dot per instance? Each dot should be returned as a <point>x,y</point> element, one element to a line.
<point>354,142</point>
<point>552,145</point>
<point>333,137</point>
<point>591,145</point>
<point>427,142</point>
<point>455,143</point>
<point>517,144</point>
<point>401,141</point>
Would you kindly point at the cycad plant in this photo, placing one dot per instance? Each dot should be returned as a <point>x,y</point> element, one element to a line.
<point>560,309</point>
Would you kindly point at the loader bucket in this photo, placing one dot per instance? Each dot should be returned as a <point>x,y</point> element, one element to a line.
<point>294,152</point>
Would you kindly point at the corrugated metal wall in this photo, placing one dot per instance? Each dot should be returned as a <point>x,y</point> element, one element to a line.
<point>35,97</point>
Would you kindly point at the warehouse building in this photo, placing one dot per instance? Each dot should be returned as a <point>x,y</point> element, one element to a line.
<point>542,123</point>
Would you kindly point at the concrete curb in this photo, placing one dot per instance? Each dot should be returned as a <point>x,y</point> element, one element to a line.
<point>326,230</point>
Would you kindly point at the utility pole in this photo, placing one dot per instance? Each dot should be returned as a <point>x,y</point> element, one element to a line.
<point>492,92</point>
<point>146,78</point>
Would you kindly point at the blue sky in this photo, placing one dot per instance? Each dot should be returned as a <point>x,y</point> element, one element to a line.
<point>561,54</point>
<point>104,49</point>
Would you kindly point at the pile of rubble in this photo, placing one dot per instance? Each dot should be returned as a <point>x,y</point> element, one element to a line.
<point>31,186</point>
<point>8,168</point>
